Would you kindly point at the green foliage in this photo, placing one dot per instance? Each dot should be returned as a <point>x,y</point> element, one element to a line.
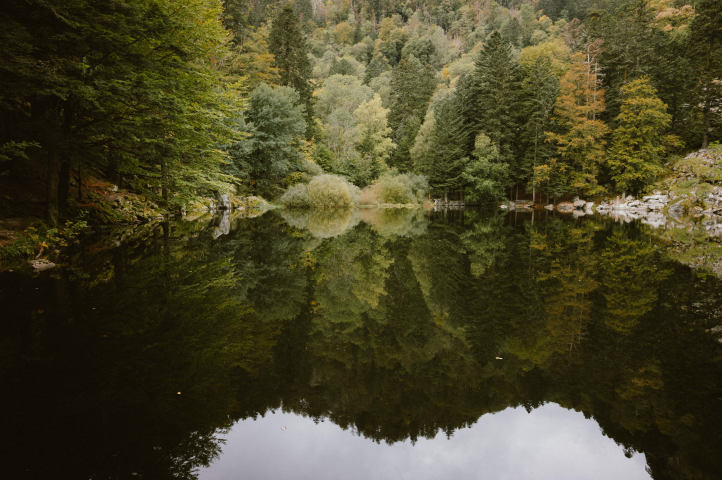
<point>340,92</point>
<point>412,85</point>
<point>129,86</point>
<point>332,191</point>
<point>341,67</point>
<point>497,88</point>
<point>378,65</point>
<point>41,239</point>
<point>288,46</point>
<point>401,188</point>
<point>275,125</point>
<point>636,151</point>
<point>486,176</point>
<point>444,158</point>
<point>296,196</point>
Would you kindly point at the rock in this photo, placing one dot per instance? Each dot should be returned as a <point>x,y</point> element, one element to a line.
<point>41,264</point>
<point>578,213</point>
<point>549,207</point>
<point>656,198</point>
<point>565,207</point>
<point>503,206</point>
<point>224,202</point>
<point>579,203</point>
<point>589,208</point>
<point>223,225</point>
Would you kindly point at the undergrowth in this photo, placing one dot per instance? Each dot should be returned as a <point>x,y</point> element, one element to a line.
<point>34,241</point>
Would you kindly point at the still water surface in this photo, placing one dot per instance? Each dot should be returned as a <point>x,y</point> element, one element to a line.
<point>364,344</point>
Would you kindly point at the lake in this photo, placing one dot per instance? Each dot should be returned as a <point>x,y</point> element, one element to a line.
<point>365,344</point>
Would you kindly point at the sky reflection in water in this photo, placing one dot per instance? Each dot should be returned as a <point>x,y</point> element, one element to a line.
<point>548,443</point>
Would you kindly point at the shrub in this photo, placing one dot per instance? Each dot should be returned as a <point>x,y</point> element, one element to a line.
<point>296,196</point>
<point>333,191</point>
<point>368,196</point>
<point>403,188</point>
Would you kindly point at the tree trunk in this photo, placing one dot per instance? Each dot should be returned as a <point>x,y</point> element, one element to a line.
<point>64,185</point>
<point>80,182</point>
<point>113,174</point>
<point>707,106</point>
<point>51,199</point>
<point>164,181</point>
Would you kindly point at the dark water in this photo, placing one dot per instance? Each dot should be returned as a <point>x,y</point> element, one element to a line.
<point>388,344</point>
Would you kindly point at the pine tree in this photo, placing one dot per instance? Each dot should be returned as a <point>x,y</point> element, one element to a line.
<point>541,88</point>
<point>378,65</point>
<point>412,86</point>
<point>486,177</point>
<point>580,145</point>
<point>634,158</point>
<point>445,159</point>
<point>288,45</point>
<point>707,47</point>
<point>497,87</point>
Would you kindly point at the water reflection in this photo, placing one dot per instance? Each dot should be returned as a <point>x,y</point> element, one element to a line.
<point>134,358</point>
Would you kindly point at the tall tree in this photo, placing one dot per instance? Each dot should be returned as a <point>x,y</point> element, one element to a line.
<point>636,151</point>
<point>412,85</point>
<point>444,160</point>
<point>580,143</point>
<point>275,124</point>
<point>541,88</point>
<point>288,45</point>
<point>497,88</point>
<point>127,86</point>
<point>707,44</point>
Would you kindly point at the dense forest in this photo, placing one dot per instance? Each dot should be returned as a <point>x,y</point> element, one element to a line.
<point>481,99</point>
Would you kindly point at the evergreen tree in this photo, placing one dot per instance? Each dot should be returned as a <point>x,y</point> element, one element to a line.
<point>634,158</point>
<point>541,88</point>
<point>445,159</point>
<point>707,48</point>
<point>497,88</point>
<point>487,178</point>
<point>378,65</point>
<point>341,67</point>
<point>275,123</point>
<point>580,145</point>
<point>288,45</point>
<point>412,86</point>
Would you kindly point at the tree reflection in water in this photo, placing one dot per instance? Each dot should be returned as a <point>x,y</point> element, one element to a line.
<point>131,360</point>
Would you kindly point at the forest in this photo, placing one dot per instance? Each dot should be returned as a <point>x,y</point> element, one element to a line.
<point>308,103</point>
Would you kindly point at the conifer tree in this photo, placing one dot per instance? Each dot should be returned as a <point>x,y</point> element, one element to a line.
<point>445,159</point>
<point>580,145</point>
<point>412,86</point>
<point>378,65</point>
<point>707,48</point>
<point>288,45</point>
<point>541,88</point>
<point>634,158</point>
<point>497,87</point>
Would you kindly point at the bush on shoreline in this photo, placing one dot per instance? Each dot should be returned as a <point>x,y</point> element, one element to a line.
<point>322,191</point>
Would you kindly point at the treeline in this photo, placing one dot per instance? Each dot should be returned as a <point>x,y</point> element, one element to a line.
<point>483,98</point>
<point>174,100</point>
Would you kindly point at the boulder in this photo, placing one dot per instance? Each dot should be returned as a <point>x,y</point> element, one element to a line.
<point>41,264</point>
<point>579,203</point>
<point>565,207</point>
<point>224,202</point>
<point>549,207</point>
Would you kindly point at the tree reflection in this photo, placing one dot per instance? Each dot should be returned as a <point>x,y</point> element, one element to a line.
<point>396,324</point>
